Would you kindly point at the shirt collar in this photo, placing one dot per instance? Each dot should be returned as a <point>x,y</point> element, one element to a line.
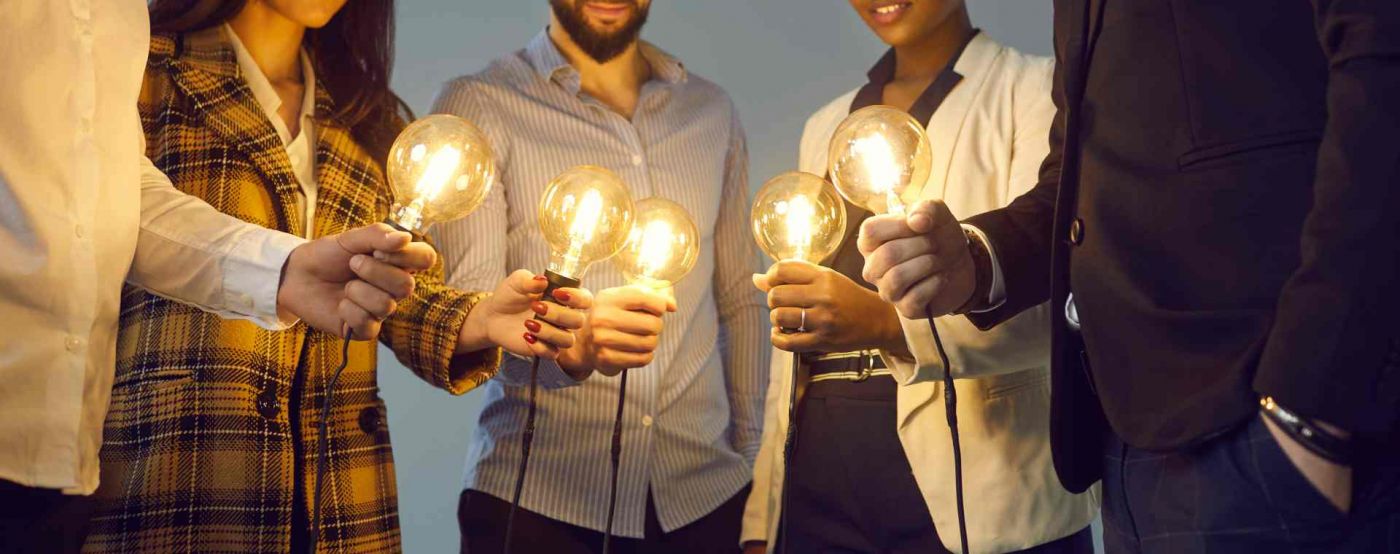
<point>550,64</point>
<point>262,88</point>
<point>923,108</point>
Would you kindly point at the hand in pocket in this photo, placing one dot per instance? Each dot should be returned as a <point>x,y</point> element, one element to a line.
<point>1332,480</point>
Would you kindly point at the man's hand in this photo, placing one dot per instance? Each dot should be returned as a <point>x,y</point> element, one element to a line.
<point>622,331</point>
<point>919,262</point>
<point>352,280</point>
<point>841,315</point>
<point>1329,478</point>
<point>508,318</point>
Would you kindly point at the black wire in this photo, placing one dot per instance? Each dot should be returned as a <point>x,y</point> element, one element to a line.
<point>525,441</point>
<point>616,461</point>
<point>783,538</point>
<point>950,402</point>
<point>322,444</point>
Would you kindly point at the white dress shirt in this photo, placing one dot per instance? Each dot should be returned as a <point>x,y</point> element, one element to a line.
<point>301,149</point>
<point>82,210</point>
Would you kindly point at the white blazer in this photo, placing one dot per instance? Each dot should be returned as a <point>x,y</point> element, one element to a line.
<point>989,137</point>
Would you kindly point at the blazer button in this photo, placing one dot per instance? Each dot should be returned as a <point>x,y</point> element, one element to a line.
<point>1076,232</point>
<point>370,420</point>
<point>268,405</point>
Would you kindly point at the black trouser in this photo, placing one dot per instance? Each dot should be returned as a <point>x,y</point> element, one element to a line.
<point>1241,493</point>
<point>42,520</point>
<point>482,518</point>
<point>852,487</point>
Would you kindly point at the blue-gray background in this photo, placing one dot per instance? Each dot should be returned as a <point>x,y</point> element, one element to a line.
<point>779,59</point>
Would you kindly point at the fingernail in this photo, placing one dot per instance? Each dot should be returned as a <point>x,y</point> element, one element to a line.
<point>356,261</point>
<point>539,308</point>
<point>561,296</point>
<point>532,325</point>
<point>530,338</point>
<point>541,278</point>
<point>380,256</point>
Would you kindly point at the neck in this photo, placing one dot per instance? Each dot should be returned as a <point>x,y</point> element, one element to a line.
<point>927,56</point>
<point>273,41</point>
<point>623,74</point>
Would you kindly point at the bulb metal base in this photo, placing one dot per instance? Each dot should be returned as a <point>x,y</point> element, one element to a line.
<point>558,281</point>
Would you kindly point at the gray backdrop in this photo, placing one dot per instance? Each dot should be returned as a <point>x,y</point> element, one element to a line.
<point>779,59</point>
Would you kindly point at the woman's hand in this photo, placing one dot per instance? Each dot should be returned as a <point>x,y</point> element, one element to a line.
<point>621,333</point>
<point>842,316</point>
<point>508,318</point>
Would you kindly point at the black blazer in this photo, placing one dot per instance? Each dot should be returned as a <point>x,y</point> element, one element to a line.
<point>1221,197</point>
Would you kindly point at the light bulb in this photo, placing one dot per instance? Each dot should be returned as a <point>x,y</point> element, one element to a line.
<point>798,216</point>
<point>585,216</point>
<point>879,156</point>
<point>662,246</point>
<point>440,168</point>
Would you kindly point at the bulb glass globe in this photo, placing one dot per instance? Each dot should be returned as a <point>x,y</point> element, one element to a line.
<point>662,247</point>
<point>879,158</point>
<point>798,216</point>
<point>585,216</point>
<point>440,168</point>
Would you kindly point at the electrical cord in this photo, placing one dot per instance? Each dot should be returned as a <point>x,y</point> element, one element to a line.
<point>322,445</point>
<point>616,462</point>
<point>525,440</point>
<point>950,403</point>
<point>783,538</point>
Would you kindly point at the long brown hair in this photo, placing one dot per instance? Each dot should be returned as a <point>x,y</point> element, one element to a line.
<point>353,55</point>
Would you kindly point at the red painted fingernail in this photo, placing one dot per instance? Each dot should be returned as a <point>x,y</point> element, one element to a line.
<point>539,308</point>
<point>532,325</point>
<point>530,338</point>
<point>541,278</point>
<point>561,296</point>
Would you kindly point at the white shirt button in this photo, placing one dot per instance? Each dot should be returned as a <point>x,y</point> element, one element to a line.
<point>636,159</point>
<point>646,421</point>
<point>73,344</point>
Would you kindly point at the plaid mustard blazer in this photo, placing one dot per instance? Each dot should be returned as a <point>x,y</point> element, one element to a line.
<point>212,432</point>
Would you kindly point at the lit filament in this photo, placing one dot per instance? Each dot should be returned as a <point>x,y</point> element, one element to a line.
<point>439,172</point>
<point>656,246</point>
<point>881,169</point>
<point>799,214</point>
<point>581,229</point>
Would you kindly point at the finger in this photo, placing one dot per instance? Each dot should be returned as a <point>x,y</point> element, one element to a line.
<point>370,238</point>
<point>614,360</point>
<point>369,298</point>
<point>786,318</point>
<point>550,334</point>
<point>362,324</point>
<point>927,215</point>
<point>895,252</point>
<point>418,256</point>
<point>760,281</point>
<point>792,272</point>
<point>914,303</point>
<point>896,282</point>
<point>539,348</point>
<point>578,299</point>
<point>525,283</point>
<point>611,339</point>
<point>564,317</point>
<point>879,229</point>
<point>636,322</point>
<point>670,294</point>
<point>634,298</point>
<point>393,280</point>
<point>793,342</point>
<point>792,296</point>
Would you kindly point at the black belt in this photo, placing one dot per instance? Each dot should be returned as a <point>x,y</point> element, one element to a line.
<point>856,367</point>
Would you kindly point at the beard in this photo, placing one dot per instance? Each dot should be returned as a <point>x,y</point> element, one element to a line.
<point>602,46</point>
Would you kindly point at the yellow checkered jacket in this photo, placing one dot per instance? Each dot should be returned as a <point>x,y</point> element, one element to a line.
<point>212,432</point>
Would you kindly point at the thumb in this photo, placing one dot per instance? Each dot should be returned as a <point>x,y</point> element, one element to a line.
<point>371,238</point>
<point>924,215</point>
<point>760,280</point>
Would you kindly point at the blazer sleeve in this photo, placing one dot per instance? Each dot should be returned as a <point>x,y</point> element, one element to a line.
<point>1020,343</point>
<point>423,335</point>
<point>1020,234</point>
<point>1334,325</point>
<point>759,511</point>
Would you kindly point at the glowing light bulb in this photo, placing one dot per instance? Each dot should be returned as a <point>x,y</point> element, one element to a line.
<point>662,246</point>
<point>585,215</point>
<point>448,183</point>
<point>878,157</point>
<point>798,216</point>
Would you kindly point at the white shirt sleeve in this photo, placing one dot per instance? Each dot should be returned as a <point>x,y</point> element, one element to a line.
<point>190,252</point>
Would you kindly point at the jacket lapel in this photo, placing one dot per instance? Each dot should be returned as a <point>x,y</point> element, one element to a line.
<point>946,125</point>
<point>208,73</point>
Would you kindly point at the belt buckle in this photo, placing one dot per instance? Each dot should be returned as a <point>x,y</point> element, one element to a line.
<point>866,364</point>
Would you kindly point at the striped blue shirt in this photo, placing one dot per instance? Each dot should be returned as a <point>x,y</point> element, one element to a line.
<point>693,418</point>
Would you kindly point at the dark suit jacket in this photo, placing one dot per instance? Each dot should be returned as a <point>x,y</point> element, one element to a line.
<point>1221,197</point>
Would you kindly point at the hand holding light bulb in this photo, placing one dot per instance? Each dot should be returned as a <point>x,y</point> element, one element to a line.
<point>516,318</point>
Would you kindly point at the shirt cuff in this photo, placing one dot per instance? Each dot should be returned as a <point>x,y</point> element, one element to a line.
<point>253,272</point>
<point>996,296</point>
<point>515,371</point>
